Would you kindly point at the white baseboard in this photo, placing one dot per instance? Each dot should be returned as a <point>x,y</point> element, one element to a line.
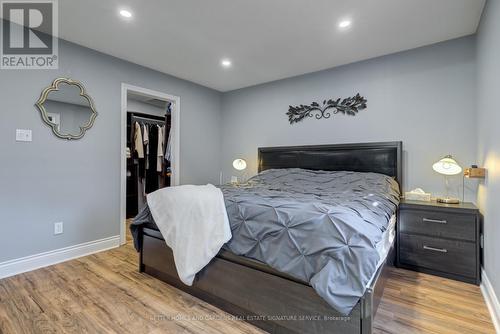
<point>32,262</point>
<point>491,300</point>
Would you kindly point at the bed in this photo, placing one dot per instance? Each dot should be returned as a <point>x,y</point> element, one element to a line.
<point>272,299</point>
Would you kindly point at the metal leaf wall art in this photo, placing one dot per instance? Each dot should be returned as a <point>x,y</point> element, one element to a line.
<point>349,106</point>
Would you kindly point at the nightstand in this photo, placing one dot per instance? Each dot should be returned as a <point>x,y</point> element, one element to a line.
<point>440,239</point>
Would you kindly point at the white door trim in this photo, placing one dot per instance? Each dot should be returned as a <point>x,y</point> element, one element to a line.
<point>176,105</point>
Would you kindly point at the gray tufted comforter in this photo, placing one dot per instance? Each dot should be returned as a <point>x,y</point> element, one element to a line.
<point>317,226</point>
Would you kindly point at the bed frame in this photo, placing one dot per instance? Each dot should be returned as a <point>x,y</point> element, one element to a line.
<point>262,296</point>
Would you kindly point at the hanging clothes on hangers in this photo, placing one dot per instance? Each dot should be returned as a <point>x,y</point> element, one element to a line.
<point>167,171</point>
<point>138,146</point>
<point>168,133</point>
<point>168,149</point>
<point>145,136</point>
<point>143,146</point>
<point>159,160</point>
<point>152,182</point>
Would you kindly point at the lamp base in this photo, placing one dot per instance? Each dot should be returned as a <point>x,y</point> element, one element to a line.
<point>448,200</point>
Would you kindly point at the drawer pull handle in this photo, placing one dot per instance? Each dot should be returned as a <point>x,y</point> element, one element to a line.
<point>440,250</point>
<point>427,220</point>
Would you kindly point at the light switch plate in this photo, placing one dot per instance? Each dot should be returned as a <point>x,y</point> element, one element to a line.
<point>24,135</point>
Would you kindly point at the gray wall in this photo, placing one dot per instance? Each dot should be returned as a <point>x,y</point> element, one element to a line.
<point>489,136</point>
<point>424,97</point>
<point>78,182</point>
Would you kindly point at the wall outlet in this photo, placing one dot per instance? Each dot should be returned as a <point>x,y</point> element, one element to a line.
<point>234,179</point>
<point>58,228</point>
<point>23,135</point>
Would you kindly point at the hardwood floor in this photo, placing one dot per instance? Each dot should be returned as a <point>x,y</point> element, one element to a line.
<point>420,303</point>
<point>104,293</point>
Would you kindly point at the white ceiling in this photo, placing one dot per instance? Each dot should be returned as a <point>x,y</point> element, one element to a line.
<point>265,39</point>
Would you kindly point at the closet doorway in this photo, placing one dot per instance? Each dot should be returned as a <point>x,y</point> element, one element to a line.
<point>150,147</point>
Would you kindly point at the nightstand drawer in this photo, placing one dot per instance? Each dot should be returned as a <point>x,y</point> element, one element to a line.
<point>455,257</point>
<point>438,224</point>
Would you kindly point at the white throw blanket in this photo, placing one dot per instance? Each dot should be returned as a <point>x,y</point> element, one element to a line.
<point>193,221</point>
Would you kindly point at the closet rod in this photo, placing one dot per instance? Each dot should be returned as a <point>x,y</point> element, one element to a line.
<point>149,120</point>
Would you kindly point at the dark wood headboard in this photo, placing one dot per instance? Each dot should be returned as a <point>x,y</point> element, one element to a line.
<point>384,158</point>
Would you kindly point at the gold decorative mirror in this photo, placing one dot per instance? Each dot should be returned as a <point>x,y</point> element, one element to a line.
<point>67,109</point>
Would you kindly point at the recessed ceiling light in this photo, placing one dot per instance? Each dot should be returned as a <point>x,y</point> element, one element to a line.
<point>125,13</point>
<point>226,63</point>
<point>345,24</point>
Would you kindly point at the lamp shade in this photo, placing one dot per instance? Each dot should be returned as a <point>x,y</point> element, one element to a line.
<point>447,166</point>
<point>239,164</point>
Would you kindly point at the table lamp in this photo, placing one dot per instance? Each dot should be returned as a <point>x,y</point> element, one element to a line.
<point>239,165</point>
<point>447,166</point>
